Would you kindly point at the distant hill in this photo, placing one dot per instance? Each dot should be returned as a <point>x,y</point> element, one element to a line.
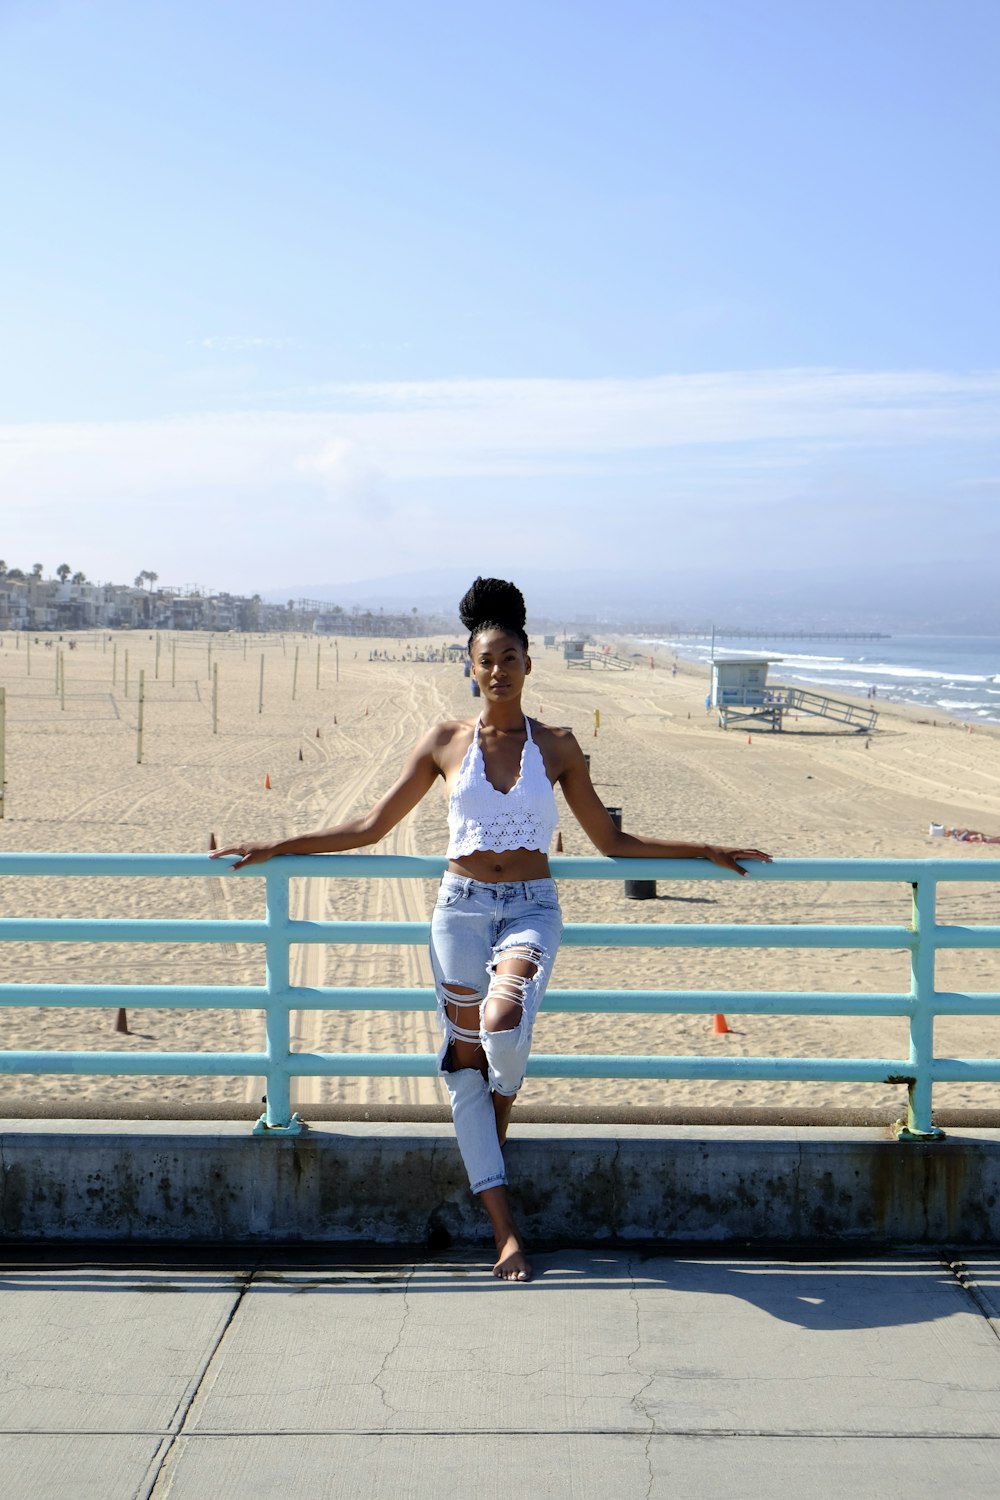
<point>911,599</point>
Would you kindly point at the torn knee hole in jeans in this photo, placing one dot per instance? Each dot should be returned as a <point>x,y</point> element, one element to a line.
<point>462,997</point>
<point>512,989</point>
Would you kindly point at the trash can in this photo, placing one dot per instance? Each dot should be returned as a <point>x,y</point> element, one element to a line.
<point>475,688</point>
<point>635,890</point>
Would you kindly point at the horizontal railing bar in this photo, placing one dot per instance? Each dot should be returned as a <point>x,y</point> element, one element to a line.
<point>638,1002</point>
<point>129,930</point>
<point>978,1003</point>
<point>564,867</point>
<point>626,1002</point>
<point>965,1070</point>
<point>581,1065</point>
<point>575,934</point>
<point>208,1064</point>
<point>408,1065</point>
<point>734,935</point>
<point>966,937</point>
<point>635,934</point>
<point>395,1064</point>
<point>139,996</point>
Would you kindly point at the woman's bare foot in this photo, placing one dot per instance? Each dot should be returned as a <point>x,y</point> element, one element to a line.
<point>502,1106</point>
<point>512,1263</point>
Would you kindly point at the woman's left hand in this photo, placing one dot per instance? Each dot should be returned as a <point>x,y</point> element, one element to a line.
<point>727,859</point>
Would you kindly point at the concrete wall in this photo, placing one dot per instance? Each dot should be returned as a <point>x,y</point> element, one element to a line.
<point>392,1183</point>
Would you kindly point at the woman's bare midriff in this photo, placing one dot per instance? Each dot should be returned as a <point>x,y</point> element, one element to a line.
<point>494,867</point>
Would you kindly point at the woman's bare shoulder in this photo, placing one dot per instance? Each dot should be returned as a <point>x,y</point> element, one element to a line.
<point>449,735</point>
<point>557,743</point>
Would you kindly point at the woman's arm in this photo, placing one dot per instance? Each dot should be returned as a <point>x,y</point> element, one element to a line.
<point>594,819</point>
<point>418,776</point>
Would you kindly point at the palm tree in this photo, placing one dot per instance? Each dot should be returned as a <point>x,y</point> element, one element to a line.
<point>63,571</point>
<point>3,568</point>
<point>141,579</point>
<point>36,570</point>
<point>152,579</point>
<point>79,578</point>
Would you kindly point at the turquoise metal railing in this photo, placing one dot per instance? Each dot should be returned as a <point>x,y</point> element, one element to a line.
<point>279,1064</point>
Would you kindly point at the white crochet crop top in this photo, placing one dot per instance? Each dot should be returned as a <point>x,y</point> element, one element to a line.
<point>480,817</point>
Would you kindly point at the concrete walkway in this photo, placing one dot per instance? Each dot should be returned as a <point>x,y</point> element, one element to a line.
<point>616,1375</point>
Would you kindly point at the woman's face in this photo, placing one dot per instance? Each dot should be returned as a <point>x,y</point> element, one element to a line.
<point>499,664</point>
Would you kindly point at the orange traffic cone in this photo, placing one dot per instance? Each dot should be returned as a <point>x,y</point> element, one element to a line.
<point>267,782</point>
<point>720,1026</point>
<point>211,841</point>
<point>749,739</point>
<point>300,752</point>
<point>317,731</point>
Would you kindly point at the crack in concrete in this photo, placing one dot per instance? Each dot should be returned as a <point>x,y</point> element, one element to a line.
<point>637,1401</point>
<point>377,1377</point>
<point>182,1411</point>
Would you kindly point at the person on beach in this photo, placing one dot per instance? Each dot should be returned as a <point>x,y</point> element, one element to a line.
<point>497,924</point>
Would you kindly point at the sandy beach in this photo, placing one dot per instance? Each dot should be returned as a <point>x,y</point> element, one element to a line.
<point>331,735</point>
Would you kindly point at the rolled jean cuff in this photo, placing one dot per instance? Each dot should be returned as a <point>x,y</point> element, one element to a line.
<point>490,1182</point>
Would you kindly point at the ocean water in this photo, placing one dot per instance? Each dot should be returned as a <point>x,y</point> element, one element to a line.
<point>947,674</point>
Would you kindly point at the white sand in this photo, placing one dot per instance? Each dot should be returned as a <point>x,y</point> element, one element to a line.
<point>74,784</point>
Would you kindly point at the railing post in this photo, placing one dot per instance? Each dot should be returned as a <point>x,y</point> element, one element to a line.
<point>277,1116</point>
<point>918,1125</point>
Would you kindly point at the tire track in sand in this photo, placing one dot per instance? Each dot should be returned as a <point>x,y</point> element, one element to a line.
<point>383,900</point>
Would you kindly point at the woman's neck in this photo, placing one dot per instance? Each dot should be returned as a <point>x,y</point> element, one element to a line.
<point>503,718</point>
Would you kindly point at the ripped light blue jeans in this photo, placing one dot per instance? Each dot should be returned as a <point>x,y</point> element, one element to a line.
<point>475,925</point>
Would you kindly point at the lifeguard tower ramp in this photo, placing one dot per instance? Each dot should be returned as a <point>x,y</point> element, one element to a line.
<point>742,698</point>
<point>800,701</point>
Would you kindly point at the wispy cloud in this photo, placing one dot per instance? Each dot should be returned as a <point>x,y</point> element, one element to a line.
<point>240,343</point>
<point>388,469</point>
<point>459,428</point>
<point>498,426</point>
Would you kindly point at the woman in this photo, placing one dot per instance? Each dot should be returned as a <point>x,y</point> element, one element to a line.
<point>496,925</point>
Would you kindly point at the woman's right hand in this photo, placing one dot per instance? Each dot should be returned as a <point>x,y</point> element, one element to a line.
<point>249,854</point>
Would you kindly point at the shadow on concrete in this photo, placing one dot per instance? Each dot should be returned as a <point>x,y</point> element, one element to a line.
<point>884,1289</point>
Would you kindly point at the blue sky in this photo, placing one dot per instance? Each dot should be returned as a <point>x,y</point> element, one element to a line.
<point>317,292</point>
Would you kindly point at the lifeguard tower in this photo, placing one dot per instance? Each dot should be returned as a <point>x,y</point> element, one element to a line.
<point>581,652</point>
<point>741,696</point>
<point>740,693</point>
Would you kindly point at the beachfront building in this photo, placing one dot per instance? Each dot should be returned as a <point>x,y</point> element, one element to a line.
<point>30,602</point>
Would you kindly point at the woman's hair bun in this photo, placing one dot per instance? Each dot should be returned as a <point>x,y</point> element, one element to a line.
<point>492,602</point>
